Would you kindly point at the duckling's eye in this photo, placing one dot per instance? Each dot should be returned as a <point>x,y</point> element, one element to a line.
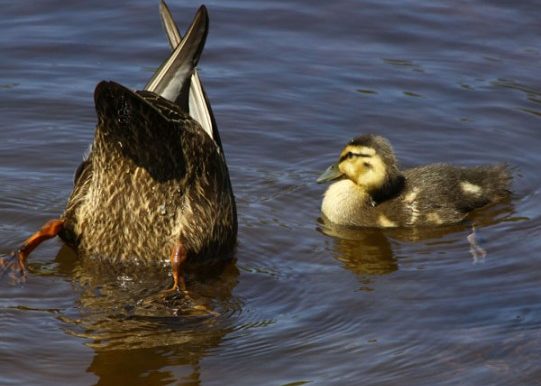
<point>367,165</point>
<point>350,155</point>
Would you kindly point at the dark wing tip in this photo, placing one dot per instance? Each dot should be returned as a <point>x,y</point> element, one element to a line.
<point>203,17</point>
<point>203,10</point>
<point>171,77</point>
<point>169,25</point>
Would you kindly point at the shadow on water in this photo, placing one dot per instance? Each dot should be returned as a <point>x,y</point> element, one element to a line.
<point>139,335</point>
<point>369,251</point>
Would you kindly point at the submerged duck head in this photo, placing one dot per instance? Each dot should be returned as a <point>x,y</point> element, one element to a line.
<point>368,161</point>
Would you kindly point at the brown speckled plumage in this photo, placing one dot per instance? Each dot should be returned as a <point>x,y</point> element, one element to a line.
<point>153,178</point>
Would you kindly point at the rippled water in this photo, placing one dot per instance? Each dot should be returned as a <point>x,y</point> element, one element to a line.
<point>290,83</point>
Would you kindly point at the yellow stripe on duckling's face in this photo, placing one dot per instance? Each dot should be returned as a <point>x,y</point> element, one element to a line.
<point>363,165</point>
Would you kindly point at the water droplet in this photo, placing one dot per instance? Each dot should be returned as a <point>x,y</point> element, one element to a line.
<point>162,210</point>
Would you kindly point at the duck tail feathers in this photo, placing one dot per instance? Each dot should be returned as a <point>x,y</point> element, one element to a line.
<point>198,105</point>
<point>172,79</point>
<point>169,25</point>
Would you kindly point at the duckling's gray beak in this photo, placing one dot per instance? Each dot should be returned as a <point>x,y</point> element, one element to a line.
<point>332,173</point>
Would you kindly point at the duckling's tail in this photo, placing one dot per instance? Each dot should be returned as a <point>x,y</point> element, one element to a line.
<point>498,181</point>
<point>487,184</point>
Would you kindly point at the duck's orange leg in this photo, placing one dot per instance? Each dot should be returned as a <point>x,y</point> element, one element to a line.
<point>47,231</point>
<point>178,258</point>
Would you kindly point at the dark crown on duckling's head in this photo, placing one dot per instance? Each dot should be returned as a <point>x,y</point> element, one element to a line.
<point>370,163</point>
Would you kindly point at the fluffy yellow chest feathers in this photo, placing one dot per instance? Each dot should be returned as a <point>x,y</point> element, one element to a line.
<point>342,201</point>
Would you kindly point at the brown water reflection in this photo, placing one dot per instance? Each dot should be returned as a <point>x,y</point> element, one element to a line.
<point>147,367</point>
<point>369,251</point>
<point>362,251</point>
<point>140,337</point>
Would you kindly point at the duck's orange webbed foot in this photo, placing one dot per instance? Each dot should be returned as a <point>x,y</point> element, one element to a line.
<point>47,231</point>
<point>178,259</point>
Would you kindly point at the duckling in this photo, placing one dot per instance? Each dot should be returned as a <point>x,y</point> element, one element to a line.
<point>372,191</point>
<point>154,184</point>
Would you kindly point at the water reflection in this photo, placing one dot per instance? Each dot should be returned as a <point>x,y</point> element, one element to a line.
<point>369,251</point>
<point>147,367</point>
<point>362,251</point>
<point>140,336</point>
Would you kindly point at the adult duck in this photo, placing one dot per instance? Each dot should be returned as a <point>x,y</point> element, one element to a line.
<point>154,183</point>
